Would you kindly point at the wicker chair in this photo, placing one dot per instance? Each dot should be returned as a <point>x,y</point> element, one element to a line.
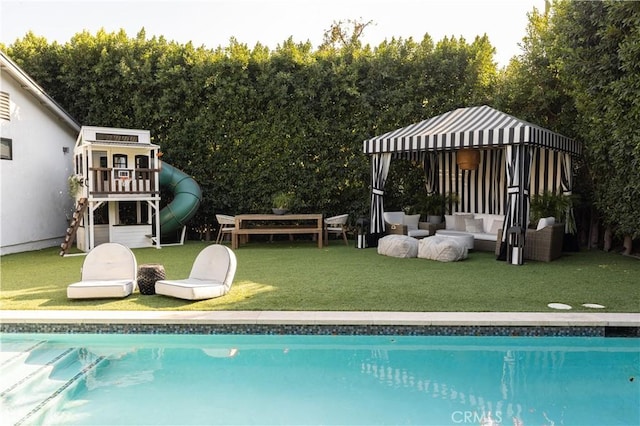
<point>542,245</point>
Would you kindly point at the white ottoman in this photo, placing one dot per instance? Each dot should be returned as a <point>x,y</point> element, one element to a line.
<point>442,249</point>
<point>398,246</point>
<point>462,237</point>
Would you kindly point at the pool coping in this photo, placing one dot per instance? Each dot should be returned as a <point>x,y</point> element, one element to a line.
<point>346,318</point>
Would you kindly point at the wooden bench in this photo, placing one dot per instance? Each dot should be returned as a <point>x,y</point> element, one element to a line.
<point>242,228</point>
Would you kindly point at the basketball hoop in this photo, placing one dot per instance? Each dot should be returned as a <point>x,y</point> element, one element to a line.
<point>124,181</point>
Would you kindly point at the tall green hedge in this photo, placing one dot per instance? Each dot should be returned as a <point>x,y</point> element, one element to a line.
<point>246,123</point>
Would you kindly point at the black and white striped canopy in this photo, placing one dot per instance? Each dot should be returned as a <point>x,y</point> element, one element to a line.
<point>477,127</point>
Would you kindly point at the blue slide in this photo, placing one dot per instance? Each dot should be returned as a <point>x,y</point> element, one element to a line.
<point>187,197</point>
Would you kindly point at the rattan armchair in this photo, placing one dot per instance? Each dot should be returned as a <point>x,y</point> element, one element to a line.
<point>543,245</point>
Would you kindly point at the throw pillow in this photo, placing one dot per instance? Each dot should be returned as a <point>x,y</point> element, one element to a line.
<point>474,225</point>
<point>545,221</point>
<point>460,218</point>
<point>495,225</point>
<point>450,221</point>
<point>411,220</point>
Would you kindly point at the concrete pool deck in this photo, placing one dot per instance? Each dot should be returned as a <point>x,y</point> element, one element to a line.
<point>443,319</point>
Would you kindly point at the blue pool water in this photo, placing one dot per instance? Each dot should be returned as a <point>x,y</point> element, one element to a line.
<point>347,380</point>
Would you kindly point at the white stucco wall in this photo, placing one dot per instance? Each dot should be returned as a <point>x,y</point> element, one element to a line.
<point>35,205</point>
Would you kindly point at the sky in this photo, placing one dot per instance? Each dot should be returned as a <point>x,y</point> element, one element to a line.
<point>212,23</point>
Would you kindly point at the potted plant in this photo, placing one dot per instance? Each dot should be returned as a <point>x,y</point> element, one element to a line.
<point>551,204</point>
<point>434,206</point>
<point>282,202</point>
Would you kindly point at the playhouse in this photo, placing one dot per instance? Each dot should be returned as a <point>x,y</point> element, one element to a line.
<point>116,185</point>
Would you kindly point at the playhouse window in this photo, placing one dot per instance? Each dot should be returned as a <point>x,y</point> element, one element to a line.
<point>103,165</point>
<point>101,215</point>
<point>7,149</point>
<point>132,213</point>
<point>119,161</point>
<point>142,162</point>
<point>78,164</point>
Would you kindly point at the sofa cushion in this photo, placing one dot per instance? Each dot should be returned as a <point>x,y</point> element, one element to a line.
<point>485,236</point>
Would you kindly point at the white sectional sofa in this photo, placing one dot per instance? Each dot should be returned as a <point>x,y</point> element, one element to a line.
<point>483,226</point>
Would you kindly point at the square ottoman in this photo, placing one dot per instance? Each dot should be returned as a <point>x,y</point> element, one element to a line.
<point>398,246</point>
<point>442,249</point>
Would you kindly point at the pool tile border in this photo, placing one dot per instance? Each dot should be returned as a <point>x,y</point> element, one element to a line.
<point>323,322</point>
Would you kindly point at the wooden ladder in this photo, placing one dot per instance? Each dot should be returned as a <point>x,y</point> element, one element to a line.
<point>73,226</point>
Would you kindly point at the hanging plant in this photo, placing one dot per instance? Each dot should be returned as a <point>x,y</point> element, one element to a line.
<point>75,183</point>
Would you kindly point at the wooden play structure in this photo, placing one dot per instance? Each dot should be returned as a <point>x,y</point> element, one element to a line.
<point>116,184</point>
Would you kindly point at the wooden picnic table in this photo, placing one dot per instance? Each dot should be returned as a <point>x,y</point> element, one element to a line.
<point>280,224</point>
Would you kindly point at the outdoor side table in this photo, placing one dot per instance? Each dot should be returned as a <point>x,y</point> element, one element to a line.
<point>148,274</point>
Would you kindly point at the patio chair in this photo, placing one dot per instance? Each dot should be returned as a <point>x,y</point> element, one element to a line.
<point>108,271</point>
<point>542,245</point>
<point>211,276</point>
<point>336,225</point>
<point>227,225</point>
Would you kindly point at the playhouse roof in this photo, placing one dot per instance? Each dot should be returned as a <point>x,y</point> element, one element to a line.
<point>472,127</point>
<point>111,137</point>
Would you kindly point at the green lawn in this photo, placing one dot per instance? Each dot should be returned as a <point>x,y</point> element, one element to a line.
<point>299,276</point>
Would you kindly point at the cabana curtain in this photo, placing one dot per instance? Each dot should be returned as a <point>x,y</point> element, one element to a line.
<point>567,190</point>
<point>379,171</point>
<point>518,201</point>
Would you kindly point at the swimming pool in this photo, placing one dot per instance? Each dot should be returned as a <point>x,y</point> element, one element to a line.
<point>90,379</point>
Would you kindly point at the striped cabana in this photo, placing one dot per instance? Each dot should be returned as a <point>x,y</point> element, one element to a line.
<point>516,158</point>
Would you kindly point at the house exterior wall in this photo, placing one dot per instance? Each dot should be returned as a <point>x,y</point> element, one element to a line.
<point>35,205</point>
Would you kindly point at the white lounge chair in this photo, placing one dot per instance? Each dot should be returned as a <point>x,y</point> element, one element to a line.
<point>109,270</point>
<point>211,276</point>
